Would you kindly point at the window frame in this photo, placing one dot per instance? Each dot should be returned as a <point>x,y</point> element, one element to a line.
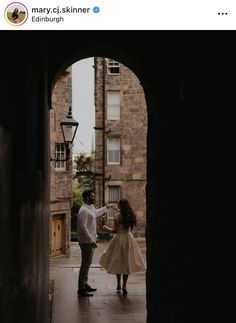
<point>108,150</point>
<point>60,155</point>
<point>110,107</point>
<point>111,63</point>
<point>110,213</point>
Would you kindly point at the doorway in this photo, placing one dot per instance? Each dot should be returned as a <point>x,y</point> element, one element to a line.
<point>57,242</point>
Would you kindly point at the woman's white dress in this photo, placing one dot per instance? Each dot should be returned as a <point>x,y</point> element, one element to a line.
<point>122,255</point>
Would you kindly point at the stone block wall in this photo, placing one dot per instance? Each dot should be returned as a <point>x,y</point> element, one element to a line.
<point>132,131</point>
<point>61,179</point>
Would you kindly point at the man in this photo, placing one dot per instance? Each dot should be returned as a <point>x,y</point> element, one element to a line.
<point>87,234</point>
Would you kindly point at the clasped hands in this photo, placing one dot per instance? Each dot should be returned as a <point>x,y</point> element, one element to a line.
<point>111,206</point>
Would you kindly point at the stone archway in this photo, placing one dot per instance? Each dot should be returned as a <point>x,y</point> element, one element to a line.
<point>184,166</point>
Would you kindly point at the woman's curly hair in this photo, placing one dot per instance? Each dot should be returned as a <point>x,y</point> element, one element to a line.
<point>128,217</point>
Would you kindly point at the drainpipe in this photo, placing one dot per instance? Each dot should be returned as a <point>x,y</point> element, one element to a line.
<point>104,154</point>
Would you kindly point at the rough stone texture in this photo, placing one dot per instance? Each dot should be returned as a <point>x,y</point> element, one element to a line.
<point>61,180</point>
<point>132,131</point>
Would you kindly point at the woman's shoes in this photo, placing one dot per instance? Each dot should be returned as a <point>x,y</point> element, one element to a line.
<point>118,289</point>
<point>124,290</point>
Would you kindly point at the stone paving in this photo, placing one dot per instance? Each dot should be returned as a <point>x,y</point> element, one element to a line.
<point>106,305</point>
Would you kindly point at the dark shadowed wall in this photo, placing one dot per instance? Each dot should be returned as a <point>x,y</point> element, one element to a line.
<point>189,83</point>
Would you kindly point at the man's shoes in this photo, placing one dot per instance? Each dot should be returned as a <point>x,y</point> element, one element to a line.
<point>83,292</point>
<point>89,288</point>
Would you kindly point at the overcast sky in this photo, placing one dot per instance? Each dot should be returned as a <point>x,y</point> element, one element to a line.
<point>83,108</point>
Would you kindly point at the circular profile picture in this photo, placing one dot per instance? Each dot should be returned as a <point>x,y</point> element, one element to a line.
<point>16,13</point>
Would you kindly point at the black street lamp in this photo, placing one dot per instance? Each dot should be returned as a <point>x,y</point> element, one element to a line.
<point>69,127</point>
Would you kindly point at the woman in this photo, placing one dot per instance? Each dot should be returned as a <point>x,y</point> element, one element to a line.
<point>15,16</point>
<point>122,255</point>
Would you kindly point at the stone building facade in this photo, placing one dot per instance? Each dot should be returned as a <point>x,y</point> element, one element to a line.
<point>120,140</point>
<point>61,171</point>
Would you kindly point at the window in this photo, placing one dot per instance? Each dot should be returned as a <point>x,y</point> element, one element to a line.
<point>60,153</point>
<point>113,151</point>
<point>113,67</point>
<point>113,105</point>
<point>113,197</point>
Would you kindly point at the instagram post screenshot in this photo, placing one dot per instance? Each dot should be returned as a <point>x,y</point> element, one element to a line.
<point>117,139</point>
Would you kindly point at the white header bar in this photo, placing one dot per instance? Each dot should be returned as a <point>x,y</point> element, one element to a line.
<point>118,15</point>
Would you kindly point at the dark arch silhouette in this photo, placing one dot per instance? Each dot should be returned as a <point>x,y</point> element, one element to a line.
<point>187,78</point>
